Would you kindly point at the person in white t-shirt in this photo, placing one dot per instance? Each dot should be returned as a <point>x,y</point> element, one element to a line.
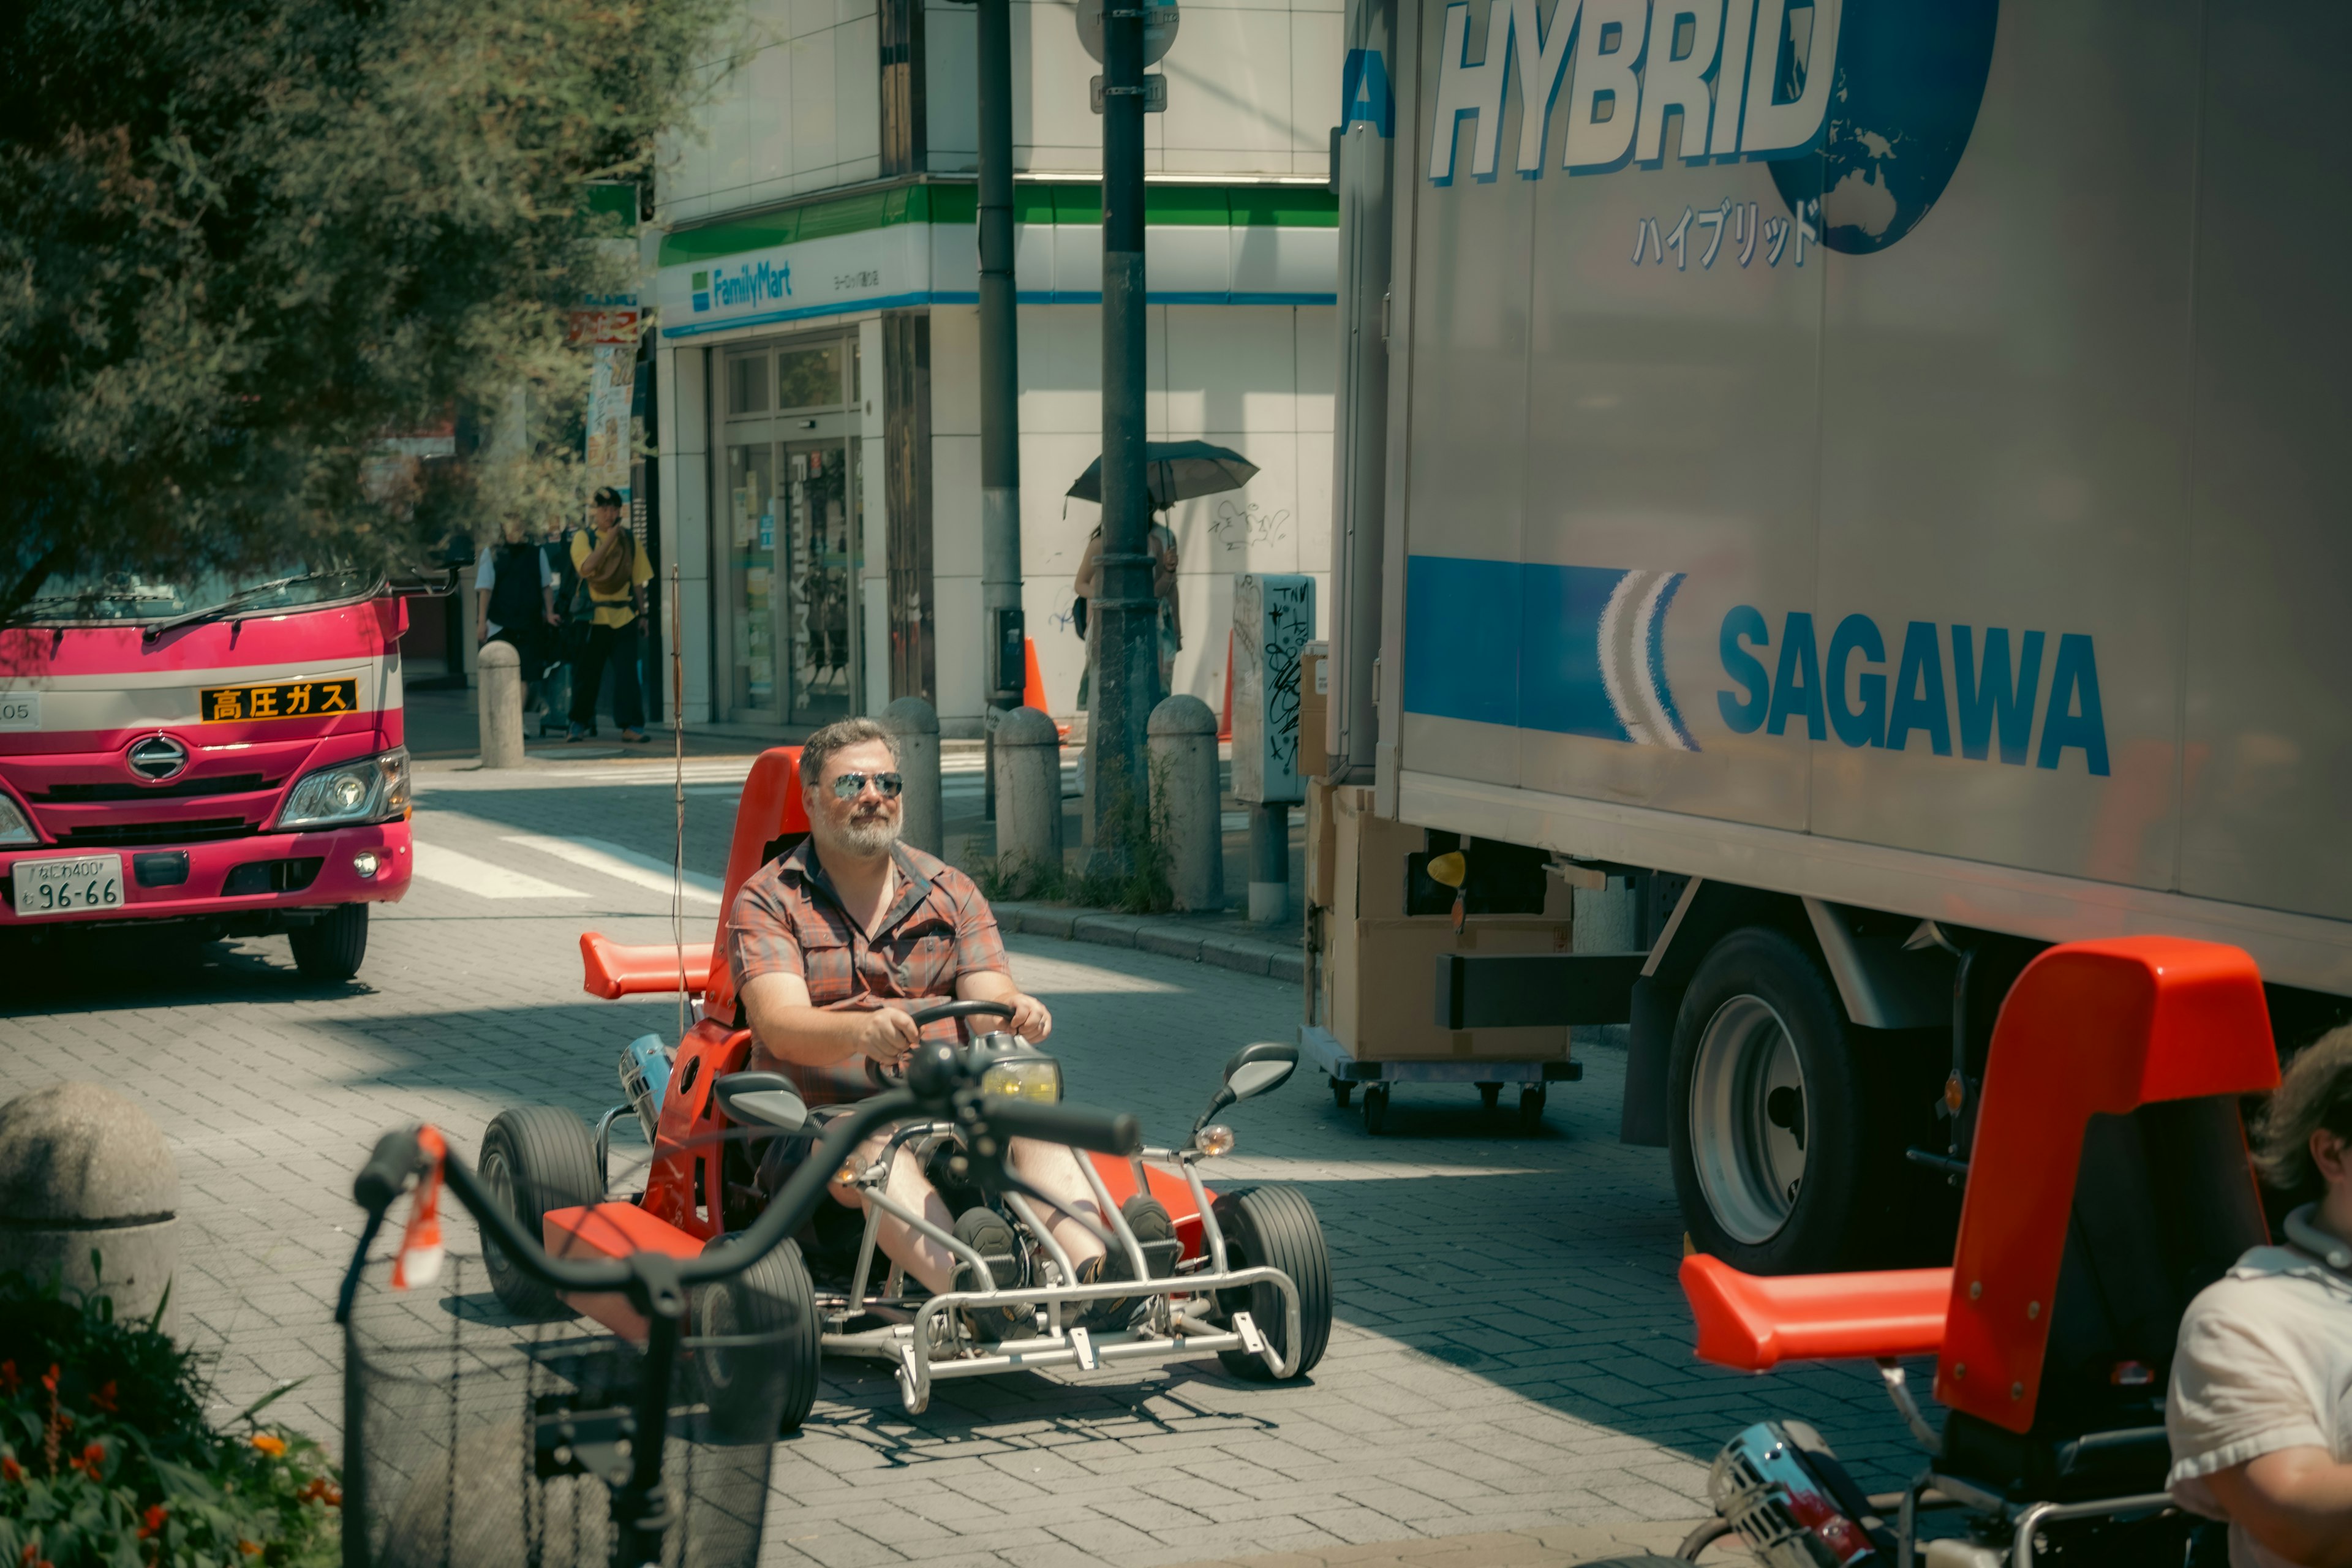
<point>2260,1410</point>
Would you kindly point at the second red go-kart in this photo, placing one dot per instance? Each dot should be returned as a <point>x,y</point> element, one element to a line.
<point>1254,1288</point>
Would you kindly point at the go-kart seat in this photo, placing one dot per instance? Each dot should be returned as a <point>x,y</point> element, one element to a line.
<point>769,819</point>
<point>2108,1184</point>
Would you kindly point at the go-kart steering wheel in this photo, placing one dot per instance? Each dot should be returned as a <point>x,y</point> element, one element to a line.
<point>882,1078</point>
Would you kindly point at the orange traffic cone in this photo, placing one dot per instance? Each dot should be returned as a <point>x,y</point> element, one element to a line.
<point>1225,719</point>
<point>1033,689</point>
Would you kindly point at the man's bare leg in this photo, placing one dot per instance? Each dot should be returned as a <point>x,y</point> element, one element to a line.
<point>1052,1170</point>
<point>932,1265</point>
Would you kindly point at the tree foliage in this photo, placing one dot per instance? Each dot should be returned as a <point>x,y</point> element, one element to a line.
<point>243,242</point>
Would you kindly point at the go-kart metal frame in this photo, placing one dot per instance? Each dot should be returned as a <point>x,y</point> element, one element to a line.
<point>927,1337</point>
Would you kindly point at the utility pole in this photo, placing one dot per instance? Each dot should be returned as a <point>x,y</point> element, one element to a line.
<point>999,384</point>
<point>1127,672</point>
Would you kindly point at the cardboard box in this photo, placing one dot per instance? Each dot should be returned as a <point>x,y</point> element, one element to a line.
<point>1314,709</point>
<point>1322,845</point>
<point>1381,978</point>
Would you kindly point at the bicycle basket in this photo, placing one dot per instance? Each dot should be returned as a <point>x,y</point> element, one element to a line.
<point>473,1439</point>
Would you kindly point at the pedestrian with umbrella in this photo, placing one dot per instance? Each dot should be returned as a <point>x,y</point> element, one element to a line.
<point>1174,472</point>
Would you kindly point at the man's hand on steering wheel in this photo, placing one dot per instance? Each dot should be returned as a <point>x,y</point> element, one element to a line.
<point>886,1036</point>
<point>1030,1020</point>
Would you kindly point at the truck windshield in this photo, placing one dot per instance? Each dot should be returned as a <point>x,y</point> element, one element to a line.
<point>131,598</point>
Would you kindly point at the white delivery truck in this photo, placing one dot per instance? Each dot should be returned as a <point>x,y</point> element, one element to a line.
<point>1873,476</point>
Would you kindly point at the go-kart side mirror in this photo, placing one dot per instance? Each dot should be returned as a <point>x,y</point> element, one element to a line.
<point>1252,1071</point>
<point>762,1100</point>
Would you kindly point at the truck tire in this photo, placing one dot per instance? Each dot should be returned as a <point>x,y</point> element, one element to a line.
<point>534,1159</point>
<point>331,947</point>
<point>1780,1160</point>
<point>1277,1227</point>
<point>759,1391</point>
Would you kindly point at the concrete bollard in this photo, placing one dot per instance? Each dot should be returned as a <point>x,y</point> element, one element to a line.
<point>1028,789</point>
<point>501,705</point>
<point>1183,738</point>
<point>915,725</point>
<point>83,1170</point>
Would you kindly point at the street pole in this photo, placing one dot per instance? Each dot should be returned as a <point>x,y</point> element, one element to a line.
<point>1127,673</point>
<point>999,384</point>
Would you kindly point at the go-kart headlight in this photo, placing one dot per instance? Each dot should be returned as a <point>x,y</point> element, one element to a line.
<point>15,826</point>
<point>1025,1077</point>
<point>372,789</point>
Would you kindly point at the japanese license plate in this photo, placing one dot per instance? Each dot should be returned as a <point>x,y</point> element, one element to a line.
<point>278,699</point>
<point>66,885</point>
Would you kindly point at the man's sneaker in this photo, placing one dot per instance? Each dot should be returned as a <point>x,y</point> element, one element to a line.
<point>581,732</point>
<point>1147,1218</point>
<point>986,1232</point>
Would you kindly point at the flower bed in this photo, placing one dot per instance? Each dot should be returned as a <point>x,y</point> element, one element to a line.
<point>107,1458</point>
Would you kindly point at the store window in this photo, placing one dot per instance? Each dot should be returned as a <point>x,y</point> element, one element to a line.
<point>791,528</point>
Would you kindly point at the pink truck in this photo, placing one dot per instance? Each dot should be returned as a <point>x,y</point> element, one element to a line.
<point>224,757</point>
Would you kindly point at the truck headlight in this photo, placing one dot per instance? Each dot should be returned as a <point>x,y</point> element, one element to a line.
<point>1025,1077</point>
<point>370,790</point>
<point>15,826</point>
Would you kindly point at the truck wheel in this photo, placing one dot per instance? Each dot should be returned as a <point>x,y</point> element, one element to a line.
<point>1777,1156</point>
<point>757,1355</point>
<point>330,947</point>
<point>534,1159</point>
<point>1274,1228</point>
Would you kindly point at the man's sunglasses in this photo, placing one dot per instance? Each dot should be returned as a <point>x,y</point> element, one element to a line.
<point>849,787</point>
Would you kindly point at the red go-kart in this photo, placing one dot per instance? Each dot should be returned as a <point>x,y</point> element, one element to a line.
<point>1254,1288</point>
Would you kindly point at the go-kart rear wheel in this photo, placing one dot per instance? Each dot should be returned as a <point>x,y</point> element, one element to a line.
<point>534,1159</point>
<point>758,1357</point>
<point>1274,1228</point>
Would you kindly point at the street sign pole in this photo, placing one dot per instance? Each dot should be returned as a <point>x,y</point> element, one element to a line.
<point>1000,381</point>
<point>1127,672</point>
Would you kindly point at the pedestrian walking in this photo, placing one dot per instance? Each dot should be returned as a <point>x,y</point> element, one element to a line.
<point>514,603</point>
<point>1159,544</point>
<point>613,573</point>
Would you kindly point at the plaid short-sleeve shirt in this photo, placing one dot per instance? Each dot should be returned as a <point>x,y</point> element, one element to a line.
<point>788,919</point>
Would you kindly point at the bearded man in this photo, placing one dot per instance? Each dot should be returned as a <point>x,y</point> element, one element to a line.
<point>834,944</point>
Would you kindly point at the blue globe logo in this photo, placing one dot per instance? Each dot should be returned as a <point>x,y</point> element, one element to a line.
<point>1909,78</point>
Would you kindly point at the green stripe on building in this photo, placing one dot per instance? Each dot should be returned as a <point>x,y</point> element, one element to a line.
<point>1069,204</point>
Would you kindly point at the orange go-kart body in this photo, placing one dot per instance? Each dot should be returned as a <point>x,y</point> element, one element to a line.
<point>683,1207</point>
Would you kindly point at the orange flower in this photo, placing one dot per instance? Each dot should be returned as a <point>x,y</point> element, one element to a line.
<point>8,1379</point>
<point>270,1444</point>
<point>10,1470</point>
<point>104,1398</point>
<point>249,1548</point>
<point>92,1462</point>
<point>49,1382</point>
<point>154,1521</point>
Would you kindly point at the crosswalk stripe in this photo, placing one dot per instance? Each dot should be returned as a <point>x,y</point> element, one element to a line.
<point>625,865</point>
<point>479,878</point>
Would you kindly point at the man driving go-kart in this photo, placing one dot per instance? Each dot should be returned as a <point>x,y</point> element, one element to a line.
<point>831,946</point>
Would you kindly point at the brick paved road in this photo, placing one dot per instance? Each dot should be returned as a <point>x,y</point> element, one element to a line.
<point>1511,1354</point>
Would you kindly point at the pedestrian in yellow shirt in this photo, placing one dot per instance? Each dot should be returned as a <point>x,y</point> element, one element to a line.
<point>613,573</point>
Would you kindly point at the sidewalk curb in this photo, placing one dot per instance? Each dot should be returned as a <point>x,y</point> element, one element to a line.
<point>1171,937</point>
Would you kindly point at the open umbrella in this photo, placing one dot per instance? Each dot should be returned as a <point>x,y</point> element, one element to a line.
<point>1176,470</point>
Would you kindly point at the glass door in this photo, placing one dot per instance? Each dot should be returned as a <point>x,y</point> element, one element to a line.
<point>790,533</point>
<point>751,577</point>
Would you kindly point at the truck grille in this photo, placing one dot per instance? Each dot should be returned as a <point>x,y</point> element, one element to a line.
<point>186,789</point>
<point>197,831</point>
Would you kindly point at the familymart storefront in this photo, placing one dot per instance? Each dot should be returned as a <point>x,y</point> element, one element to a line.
<point>819,368</point>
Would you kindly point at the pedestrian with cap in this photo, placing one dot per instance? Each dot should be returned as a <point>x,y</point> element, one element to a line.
<point>613,571</point>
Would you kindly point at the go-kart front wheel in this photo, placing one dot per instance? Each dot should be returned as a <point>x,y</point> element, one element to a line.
<point>1276,1227</point>
<point>756,1349</point>
<point>534,1159</point>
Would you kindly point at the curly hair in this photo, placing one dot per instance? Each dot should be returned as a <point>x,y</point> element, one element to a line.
<point>832,738</point>
<point>2315,1093</point>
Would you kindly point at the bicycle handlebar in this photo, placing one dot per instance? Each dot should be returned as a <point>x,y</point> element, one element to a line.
<point>1073,1125</point>
<point>396,1158</point>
